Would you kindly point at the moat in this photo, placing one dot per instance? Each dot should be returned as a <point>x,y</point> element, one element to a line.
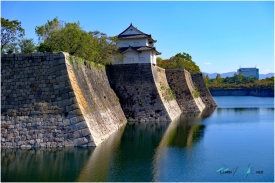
<point>234,142</point>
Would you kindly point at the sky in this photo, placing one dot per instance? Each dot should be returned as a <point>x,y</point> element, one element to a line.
<point>220,36</point>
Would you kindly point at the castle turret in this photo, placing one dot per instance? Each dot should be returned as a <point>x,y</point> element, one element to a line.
<point>136,47</point>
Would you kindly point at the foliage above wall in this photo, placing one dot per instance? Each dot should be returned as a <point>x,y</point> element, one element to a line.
<point>55,36</point>
<point>179,61</point>
<point>70,37</point>
<point>11,32</point>
<point>238,81</point>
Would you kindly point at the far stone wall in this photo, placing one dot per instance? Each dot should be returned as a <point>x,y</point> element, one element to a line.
<point>141,96</point>
<point>205,95</point>
<point>181,83</point>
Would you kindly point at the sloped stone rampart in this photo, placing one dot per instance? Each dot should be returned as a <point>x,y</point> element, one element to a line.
<point>167,95</point>
<point>47,103</point>
<point>138,89</point>
<point>205,95</point>
<point>99,104</point>
<point>181,83</point>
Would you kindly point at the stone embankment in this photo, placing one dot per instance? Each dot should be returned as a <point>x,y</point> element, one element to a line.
<point>143,92</point>
<point>181,83</point>
<point>47,102</point>
<point>205,94</point>
<point>243,92</point>
<point>51,100</point>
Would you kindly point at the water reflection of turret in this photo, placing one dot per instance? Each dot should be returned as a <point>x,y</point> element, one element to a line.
<point>97,168</point>
<point>181,133</point>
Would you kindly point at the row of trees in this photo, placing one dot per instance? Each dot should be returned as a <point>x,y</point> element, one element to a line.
<point>12,38</point>
<point>179,61</point>
<point>237,81</point>
<point>57,35</point>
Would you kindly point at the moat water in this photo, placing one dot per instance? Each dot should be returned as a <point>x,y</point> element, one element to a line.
<point>234,142</point>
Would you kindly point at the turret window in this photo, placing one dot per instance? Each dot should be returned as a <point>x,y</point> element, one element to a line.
<point>136,43</point>
<point>141,58</point>
<point>130,59</point>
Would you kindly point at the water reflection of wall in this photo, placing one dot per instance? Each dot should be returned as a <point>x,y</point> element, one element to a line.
<point>97,167</point>
<point>134,157</point>
<point>181,133</point>
<point>43,164</point>
<point>60,164</point>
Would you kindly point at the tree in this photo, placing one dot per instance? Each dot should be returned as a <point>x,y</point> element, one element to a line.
<point>27,46</point>
<point>179,61</point>
<point>206,79</point>
<point>10,48</point>
<point>43,31</point>
<point>44,47</point>
<point>187,63</point>
<point>91,46</point>
<point>159,60</point>
<point>11,31</point>
<point>219,79</point>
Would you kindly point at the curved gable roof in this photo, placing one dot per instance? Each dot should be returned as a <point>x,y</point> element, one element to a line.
<point>138,49</point>
<point>131,27</point>
<point>135,33</point>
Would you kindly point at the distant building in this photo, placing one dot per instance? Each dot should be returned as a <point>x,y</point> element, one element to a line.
<point>249,72</point>
<point>136,47</point>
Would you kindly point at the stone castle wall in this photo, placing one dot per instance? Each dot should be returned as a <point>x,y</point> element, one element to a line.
<point>243,92</point>
<point>48,100</point>
<point>45,102</point>
<point>181,83</point>
<point>142,96</point>
<point>205,95</point>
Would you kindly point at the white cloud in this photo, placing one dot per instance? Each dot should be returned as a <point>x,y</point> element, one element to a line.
<point>207,63</point>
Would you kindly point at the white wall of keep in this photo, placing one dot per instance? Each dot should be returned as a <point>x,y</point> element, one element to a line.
<point>145,57</point>
<point>154,59</point>
<point>130,58</point>
<point>134,57</point>
<point>133,42</point>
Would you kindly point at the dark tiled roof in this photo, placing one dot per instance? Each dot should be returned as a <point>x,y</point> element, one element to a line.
<point>138,49</point>
<point>133,27</point>
<point>135,36</point>
<point>130,36</point>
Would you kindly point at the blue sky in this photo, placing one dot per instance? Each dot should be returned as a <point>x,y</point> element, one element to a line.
<point>220,36</point>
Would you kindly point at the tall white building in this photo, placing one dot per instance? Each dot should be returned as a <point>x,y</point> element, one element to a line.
<point>136,47</point>
<point>249,72</point>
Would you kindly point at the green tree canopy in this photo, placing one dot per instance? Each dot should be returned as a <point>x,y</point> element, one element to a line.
<point>27,46</point>
<point>10,48</point>
<point>91,46</point>
<point>11,31</point>
<point>179,61</point>
<point>43,31</point>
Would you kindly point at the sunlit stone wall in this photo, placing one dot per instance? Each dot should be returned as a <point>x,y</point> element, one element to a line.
<point>45,102</point>
<point>205,95</point>
<point>181,83</point>
<point>143,92</point>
